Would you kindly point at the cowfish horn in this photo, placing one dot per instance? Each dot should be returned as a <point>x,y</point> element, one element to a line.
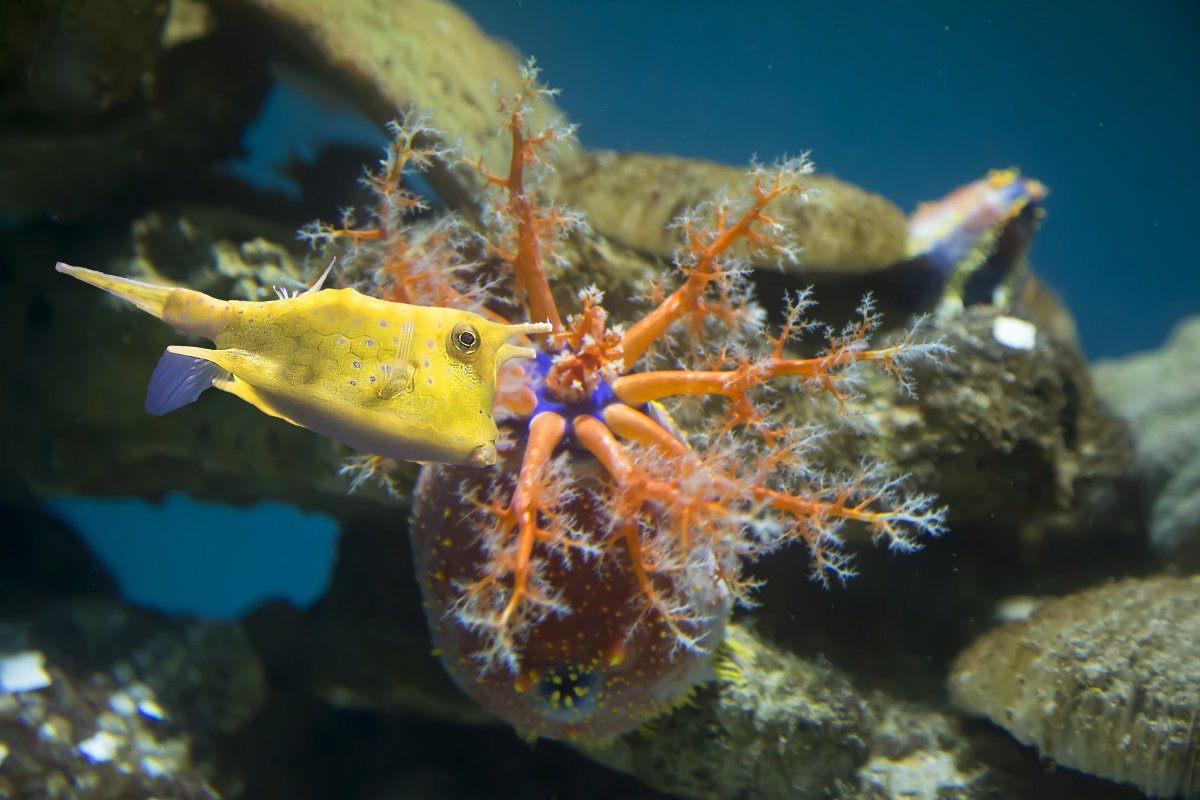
<point>509,351</point>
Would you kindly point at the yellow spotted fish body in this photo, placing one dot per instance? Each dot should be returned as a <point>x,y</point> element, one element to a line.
<point>415,383</point>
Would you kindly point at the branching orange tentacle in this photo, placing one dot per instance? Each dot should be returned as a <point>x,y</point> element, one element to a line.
<point>643,333</point>
<point>643,387</point>
<point>545,432</point>
<point>800,507</point>
<point>628,423</point>
<point>527,262</point>
<point>599,440</point>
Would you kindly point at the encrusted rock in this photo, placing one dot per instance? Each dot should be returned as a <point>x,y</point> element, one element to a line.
<point>1106,681</point>
<point>1008,436</point>
<point>99,700</point>
<point>1175,517</point>
<point>77,57</point>
<point>99,112</point>
<point>772,726</point>
<point>1159,393</point>
<point>389,55</point>
<point>79,739</point>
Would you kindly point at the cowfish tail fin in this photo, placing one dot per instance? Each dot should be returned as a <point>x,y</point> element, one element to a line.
<point>178,380</point>
<point>148,297</point>
<point>184,309</point>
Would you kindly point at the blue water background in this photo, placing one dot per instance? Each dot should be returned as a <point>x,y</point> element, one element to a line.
<point>1100,101</point>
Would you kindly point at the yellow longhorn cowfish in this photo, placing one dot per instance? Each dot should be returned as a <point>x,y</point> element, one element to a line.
<point>415,383</point>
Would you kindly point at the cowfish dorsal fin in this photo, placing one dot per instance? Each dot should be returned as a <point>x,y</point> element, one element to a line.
<point>320,284</point>
<point>178,380</point>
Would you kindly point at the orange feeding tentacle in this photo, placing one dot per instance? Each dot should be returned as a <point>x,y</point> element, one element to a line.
<point>640,490</point>
<point>643,387</point>
<point>535,226</point>
<point>527,263</point>
<point>599,441</point>
<point>545,432</point>
<point>632,424</point>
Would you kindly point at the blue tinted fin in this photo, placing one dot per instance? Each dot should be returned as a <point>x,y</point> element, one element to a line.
<point>178,380</point>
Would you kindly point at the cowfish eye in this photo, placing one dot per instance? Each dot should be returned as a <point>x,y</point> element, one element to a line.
<point>464,339</point>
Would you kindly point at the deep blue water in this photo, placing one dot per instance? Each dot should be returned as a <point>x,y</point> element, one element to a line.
<point>1101,101</point>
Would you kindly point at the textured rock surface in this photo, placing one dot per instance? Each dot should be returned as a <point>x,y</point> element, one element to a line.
<point>1159,393</point>
<point>390,55</point>
<point>771,726</point>
<point>775,725</point>
<point>89,738</point>
<point>98,700</point>
<point>1106,681</point>
<point>1008,438</point>
<point>100,113</point>
<point>632,198</point>
<point>1011,437</point>
<point>76,56</point>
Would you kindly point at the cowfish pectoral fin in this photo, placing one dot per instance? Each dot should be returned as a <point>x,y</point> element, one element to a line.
<point>239,388</point>
<point>179,379</point>
<point>228,363</point>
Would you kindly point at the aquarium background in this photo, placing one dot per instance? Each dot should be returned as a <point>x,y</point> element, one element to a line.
<point>1098,101</point>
